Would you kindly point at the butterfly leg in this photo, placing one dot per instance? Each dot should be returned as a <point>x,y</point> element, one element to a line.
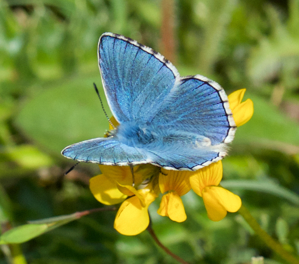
<point>71,168</point>
<point>163,173</point>
<point>133,177</point>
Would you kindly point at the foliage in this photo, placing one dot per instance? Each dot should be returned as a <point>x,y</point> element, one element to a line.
<point>48,64</point>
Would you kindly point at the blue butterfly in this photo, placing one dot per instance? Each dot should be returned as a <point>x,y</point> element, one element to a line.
<point>178,123</point>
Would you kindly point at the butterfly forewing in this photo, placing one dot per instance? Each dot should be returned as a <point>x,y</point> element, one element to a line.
<point>136,81</point>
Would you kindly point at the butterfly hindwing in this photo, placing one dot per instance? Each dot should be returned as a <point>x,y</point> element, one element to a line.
<point>194,124</point>
<point>104,151</point>
<point>197,105</point>
<point>185,159</point>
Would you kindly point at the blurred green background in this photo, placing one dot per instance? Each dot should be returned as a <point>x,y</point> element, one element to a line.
<point>48,64</point>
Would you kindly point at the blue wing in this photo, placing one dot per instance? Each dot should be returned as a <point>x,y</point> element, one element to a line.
<point>195,123</point>
<point>104,151</point>
<point>197,105</point>
<point>185,158</point>
<point>136,79</point>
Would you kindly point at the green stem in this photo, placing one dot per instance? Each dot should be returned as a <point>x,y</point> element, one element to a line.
<point>168,29</point>
<point>13,254</point>
<point>152,233</point>
<point>269,241</point>
<point>17,255</point>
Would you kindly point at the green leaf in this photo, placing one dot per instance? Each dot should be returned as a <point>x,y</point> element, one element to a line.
<point>56,219</point>
<point>268,127</point>
<point>119,9</point>
<point>262,186</point>
<point>36,228</point>
<point>64,114</point>
<point>22,233</point>
<point>5,207</point>
<point>275,52</point>
<point>214,31</point>
<point>29,157</point>
<point>282,230</point>
<point>257,260</point>
<point>148,11</point>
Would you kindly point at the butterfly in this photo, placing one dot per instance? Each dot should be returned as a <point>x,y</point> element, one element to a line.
<point>178,123</point>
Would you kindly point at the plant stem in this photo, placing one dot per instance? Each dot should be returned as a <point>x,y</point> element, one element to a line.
<point>269,241</point>
<point>95,210</point>
<point>168,29</point>
<point>17,255</point>
<point>12,252</point>
<point>152,233</point>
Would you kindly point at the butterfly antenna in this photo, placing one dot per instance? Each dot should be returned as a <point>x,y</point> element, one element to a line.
<point>71,168</point>
<point>97,91</point>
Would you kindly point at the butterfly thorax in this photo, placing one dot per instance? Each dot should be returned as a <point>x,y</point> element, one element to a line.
<point>134,135</point>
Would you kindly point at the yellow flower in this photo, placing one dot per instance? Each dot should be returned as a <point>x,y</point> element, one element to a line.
<point>242,112</point>
<point>105,190</point>
<point>106,186</point>
<point>114,122</point>
<point>205,182</point>
<point>218,201</point>
<point>115,184</point>
<point>132,217</point>
<point>174,184</point>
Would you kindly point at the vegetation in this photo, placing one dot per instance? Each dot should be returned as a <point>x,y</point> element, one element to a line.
<point>48,64</point>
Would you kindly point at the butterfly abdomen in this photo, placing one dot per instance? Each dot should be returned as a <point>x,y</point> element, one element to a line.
<point>137,136</point>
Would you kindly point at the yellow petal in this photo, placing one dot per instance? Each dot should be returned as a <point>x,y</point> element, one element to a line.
<point>163,206</point>
<point>215,210</point>
<point>218,201</point>
<point>208,176</point>
<point>148,195</point>
<point>235,98</point>
<point>115,125</point>
<point>127,189</point>
<point>120,174</point>
<point>230,201</point>
<point>114,122</point>
<point>123,174</point>
<point>172,206</point>
<point>242,112</point>
<point>105,190</point>
<point>177,181</point>
<point>132,218</point>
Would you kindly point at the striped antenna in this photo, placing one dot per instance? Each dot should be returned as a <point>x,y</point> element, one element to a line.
<point>71,168</point>
<point>97,91</point>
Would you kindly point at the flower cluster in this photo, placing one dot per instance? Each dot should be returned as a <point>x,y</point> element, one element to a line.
<point>115,185</point>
